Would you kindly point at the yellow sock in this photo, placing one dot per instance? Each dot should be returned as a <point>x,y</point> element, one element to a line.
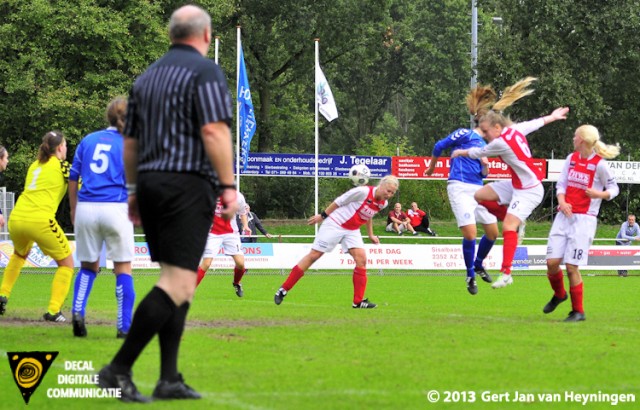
<point>60,288</point>
<point>11,273</point>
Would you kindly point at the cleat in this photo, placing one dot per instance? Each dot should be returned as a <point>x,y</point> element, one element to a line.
<point>280,294</point>
<point>174,390</point>
<point>520,231</point>
<point>482,273</point>
<point>365,304</point>
<point>238,288</point>
<point>79,329</point>
<point>399,233</point>
<point>58,317</point>
<point>121,334</point>
<point>108,379</point>
<point>415,233</point>
<point>471,285</point>
<point>431,232</point>
<point>621,273</point>
<point>575,317</point>
<point>553,303</point>
<point>503,281</point>
<point>3,304</point>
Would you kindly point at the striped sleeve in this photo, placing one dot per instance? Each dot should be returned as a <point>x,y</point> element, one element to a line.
<point>213,102</point>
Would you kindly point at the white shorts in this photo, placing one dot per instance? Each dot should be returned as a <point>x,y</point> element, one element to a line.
<point>401,227</point>
<point>464,206</point>
<point>330,234</point>
<point>570,239</point>
<point>230,243</point>
<point>103,222</point>
<point>521,202</point>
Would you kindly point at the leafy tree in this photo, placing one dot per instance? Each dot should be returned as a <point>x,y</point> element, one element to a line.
<point>62,62</point>
<point>584,59</point>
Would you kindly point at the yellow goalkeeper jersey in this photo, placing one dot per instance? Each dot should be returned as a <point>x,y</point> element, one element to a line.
<point>44,189</point>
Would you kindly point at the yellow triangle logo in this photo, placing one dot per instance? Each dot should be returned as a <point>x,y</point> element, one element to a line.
<point>28,369</point>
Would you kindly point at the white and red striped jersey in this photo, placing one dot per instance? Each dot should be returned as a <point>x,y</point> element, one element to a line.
<point>356,207</point>
<point>577,175</point>
<point>513,149</point>
<point>222,226</point>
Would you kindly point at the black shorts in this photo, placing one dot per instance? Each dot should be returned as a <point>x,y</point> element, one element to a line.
<point>176,211</point>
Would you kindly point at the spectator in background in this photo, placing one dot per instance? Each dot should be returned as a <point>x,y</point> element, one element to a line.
<point>398,221</point>
<point>255,224</point>
<point>629,232</point>
<point>419,219</point>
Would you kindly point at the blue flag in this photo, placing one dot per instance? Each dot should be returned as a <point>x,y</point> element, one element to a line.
<point>245,113</point>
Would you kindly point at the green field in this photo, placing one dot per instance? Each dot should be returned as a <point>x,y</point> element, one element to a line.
<point>315,352</point>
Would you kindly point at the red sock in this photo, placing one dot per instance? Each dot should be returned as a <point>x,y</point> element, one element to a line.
<point>500,211</point>
<point>201,273</point>
<point>238,274</point>
<point>576,298</point>
<point>359,284</point>
<point>508,250</point>
<point>557,284</point>
<point>294,277</point>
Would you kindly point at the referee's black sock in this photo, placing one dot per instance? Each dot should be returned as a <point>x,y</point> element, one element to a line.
<point>169,337</point>
<point>154,311</point>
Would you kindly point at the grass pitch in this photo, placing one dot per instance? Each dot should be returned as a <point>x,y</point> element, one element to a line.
<point>315,352</point>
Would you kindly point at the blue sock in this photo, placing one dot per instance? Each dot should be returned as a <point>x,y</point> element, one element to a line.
<point>125,297</point>
<point>483,250</point>
<point>469,251</point>
<point>81,290</point>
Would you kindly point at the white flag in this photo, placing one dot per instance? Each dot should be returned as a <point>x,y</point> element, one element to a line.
<point>324,97</point>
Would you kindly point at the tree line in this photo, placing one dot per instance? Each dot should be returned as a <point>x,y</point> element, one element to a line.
<point>399,71</point>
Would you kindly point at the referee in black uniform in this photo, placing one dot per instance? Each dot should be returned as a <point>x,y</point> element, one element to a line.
<point>178,159</point>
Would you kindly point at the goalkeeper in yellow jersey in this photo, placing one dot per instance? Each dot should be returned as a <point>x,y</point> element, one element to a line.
<point>34,220</point>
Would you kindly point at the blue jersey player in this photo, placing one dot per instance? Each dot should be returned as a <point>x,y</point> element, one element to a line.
<point>465,178</point>
<point>99,212</point>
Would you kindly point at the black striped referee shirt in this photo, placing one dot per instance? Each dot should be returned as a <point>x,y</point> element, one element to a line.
<point>168,105</point>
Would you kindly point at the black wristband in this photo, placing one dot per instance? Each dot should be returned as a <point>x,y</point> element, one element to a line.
<point>223,187</point>
<point>324,215</point>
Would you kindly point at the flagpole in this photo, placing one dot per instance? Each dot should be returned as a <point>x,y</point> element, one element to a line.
<point>317,64</point>
<point>217,46</point>
<point>238,45</point>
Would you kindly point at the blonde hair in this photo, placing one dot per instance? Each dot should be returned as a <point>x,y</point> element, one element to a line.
<point>591,136</point>
<point>509,96</point>
<point>390,180</point>
<point>479,100</point>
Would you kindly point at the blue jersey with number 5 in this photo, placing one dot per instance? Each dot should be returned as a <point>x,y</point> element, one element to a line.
<point>98,160</point>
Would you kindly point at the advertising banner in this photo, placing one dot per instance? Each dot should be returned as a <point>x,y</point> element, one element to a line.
<point>303,165</point>
<point>416,167</point>
<point>433,257</point>
<point>625,172</point>
<point>283,256</point>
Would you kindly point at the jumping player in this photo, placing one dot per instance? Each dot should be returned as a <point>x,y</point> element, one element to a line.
<point>584,182</point>
<point>465,178</point>
<point>224,233</point>
<point>99,212</point>
<point>342,222</point>
<point>524,191</point>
